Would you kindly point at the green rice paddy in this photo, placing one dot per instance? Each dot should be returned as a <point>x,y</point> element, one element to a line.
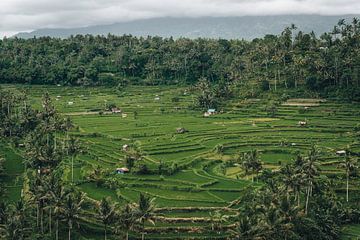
<point>243,126</point>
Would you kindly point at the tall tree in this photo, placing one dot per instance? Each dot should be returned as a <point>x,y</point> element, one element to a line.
<point>106,213</point>
<point>349,164</point>
<point>145,212</point>
<point>71,210</point>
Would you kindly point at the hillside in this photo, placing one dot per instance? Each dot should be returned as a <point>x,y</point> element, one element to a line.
<point>247,27</point>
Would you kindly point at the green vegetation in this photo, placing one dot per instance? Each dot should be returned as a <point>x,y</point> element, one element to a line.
<point>210,167</point>
<point>147,162</point>
<point>327,64</point>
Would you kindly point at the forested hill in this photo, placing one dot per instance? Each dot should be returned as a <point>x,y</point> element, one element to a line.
<point>291,59</point>
<point>248,27</point>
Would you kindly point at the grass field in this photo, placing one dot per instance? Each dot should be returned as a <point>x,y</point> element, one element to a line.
<point>243,126</point>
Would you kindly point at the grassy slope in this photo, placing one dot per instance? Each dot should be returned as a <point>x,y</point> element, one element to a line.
<point>244,126</point>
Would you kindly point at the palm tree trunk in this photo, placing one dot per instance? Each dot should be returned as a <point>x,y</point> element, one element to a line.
<point>347,186</point>
<point>42,220</point>
<point>307,197</point>
<point>69,233</point>
<point>37,215</point>
<point>105,232</point>
<point>143,231</point>
<point>127,236</point>
<point>72,169</point>
<point>50,229</point>
<point>298,198</point>
<point>57,229</point>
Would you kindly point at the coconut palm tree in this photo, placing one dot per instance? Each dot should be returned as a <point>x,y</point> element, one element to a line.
<point>217,218</point>
<point>73,149</point>
<point>251,163</point>
<point>71,210</point>
<point>145,212</point>
<point>56,195</point>
<point>292,181</point>
<point>106,213</point>
<point>126,219</point>
<point>245,228</point>
<point>310,169</point>
<point>17,225</point>
<point>38,197</point>
<point>348,164</point>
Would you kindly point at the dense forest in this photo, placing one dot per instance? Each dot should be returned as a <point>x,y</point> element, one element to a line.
<point>328,63</point>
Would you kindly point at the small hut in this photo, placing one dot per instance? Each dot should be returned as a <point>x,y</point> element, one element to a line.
<point>122,170</point>
<point>341,153</point>
<point>115,110</point>
<point>44,170</point>
<point>181,130</point>
<point>209,112</point>
<point>125,147</point>
<point>302,123</point>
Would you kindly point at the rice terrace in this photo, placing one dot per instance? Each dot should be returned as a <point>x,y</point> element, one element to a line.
<point>192,175</point>
<point>141,137</point>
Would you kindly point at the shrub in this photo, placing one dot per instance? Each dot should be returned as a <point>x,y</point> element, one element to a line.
<point>175,99</point>
<point>265,85</point>
<point>219,149</point>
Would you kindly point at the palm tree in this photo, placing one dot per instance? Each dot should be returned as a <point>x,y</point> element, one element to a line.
<point>292,180</point>
<point>74,148</point>
<point>245,228</point>
<point>17,225</point>
<point>348,164</point>
<point>71,210</point>
<point>217,218</point>
<point>126,219</point>
<point>145,212</point>
<point>56,197</point>
<point>106,213</point>
<point>310,169</point>
<point>66,126</point>
<point>288,174</point>
<point>251,163</point>
<point>38,196</point>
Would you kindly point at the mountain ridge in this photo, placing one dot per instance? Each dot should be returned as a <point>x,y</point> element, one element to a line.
<point>246,27</point>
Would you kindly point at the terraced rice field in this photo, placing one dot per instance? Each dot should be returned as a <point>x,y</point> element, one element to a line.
<point>201,184</point>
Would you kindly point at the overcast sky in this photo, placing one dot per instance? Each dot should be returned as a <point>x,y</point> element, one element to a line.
<point>26,15</point>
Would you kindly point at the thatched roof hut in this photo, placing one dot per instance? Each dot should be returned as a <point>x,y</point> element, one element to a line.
<point>181,130</point>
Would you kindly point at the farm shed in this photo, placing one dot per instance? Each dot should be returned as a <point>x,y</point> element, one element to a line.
<point>122,170</point>
<point>302,123</point>
<point>209,112</point>
<point>181,130</point>
<point>116,110</point>
<point>125,147</point>
<point>341,153</point>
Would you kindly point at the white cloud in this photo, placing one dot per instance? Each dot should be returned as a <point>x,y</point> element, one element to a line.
<point>22,15</point>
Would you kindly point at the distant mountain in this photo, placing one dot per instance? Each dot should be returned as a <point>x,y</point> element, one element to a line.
<point>248,27</point>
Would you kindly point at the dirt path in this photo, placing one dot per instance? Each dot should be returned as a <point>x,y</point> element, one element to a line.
<point>81,113</point>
